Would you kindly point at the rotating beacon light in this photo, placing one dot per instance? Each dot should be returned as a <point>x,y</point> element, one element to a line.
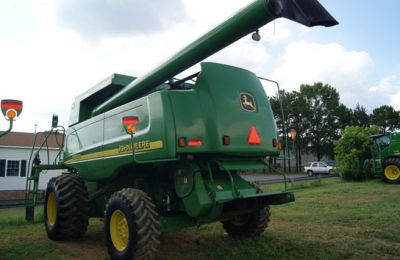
<point>130,123</point>
<point>11,108</point>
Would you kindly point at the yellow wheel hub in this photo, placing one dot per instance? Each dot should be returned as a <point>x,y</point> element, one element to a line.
<point>392,172</point>
<point>119,230</point>
<point>51,208</point>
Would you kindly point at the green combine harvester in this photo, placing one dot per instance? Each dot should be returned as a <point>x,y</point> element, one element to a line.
<point>385,150</point>
<point>155,154</point>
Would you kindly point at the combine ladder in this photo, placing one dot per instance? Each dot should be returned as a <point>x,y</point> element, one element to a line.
<point>32,180</point>
<point>377,166</point>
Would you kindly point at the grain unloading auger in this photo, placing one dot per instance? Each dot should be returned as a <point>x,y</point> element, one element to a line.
<point>149,156</point>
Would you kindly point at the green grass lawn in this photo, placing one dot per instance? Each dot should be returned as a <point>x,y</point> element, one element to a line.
<point>329,220</point>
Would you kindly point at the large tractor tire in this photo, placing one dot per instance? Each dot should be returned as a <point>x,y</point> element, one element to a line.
<point>131,225</point>
<point>391,170</point>
<point>66,207</point>
<point>250,225</point>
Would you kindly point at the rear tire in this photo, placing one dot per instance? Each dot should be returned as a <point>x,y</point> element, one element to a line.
<point>391,170</point>
<point>66,207</point>
<point>251,225</point>
<point>131,225</point>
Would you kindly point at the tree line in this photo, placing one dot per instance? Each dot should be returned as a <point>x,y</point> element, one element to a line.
<point>318,116</point>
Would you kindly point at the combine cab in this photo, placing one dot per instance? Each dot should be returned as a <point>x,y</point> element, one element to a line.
<point>151,157</point>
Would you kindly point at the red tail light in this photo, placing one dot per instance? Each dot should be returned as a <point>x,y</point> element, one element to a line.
<point>195,142</point>
<point>226,140</point>
<point>14,104</point>
<point>182,142</point>
<point>130,120</point>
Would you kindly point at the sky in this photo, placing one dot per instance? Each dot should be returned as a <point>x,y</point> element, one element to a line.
<point>52,51</point>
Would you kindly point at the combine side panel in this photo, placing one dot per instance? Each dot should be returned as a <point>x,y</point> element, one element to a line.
<point>112,149</point>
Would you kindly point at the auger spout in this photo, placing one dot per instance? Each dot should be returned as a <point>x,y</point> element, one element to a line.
<point>247,20</point>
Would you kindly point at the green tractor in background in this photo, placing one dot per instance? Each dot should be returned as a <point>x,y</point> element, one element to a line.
<point>156,154</point>
<point>385,150</point>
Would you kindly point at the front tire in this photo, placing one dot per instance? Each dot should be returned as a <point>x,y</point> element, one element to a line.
<point>66,207</point>
<point>391,172</point>
<point>310,173</point>
<point>251,225</point>
<point>131,225</point>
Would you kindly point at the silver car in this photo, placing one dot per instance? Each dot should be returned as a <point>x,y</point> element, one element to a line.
<point>314,168</point>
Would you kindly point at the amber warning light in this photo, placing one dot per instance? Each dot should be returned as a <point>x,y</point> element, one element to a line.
<point>129,123</point>
<point>11,108</point>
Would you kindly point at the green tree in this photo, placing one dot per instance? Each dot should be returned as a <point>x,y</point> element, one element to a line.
<point>345,116</point>
<point>352,149</point>
<point>386,117</point>
<point>360,116</point>
<point>322,110</point>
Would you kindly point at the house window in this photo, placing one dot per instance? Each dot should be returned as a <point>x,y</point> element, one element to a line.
<point>12,168</point>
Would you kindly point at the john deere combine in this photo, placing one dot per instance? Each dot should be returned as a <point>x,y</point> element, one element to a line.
<point>385,150</point>
<point>155,154</point>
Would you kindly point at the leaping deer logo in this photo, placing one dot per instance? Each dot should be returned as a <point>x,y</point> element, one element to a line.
<point>247,102</point>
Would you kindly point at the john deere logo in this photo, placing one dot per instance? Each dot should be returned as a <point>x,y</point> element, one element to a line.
<point>247,101</point>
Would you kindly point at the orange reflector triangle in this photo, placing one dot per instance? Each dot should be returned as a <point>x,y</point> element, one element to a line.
<point>253,138</point>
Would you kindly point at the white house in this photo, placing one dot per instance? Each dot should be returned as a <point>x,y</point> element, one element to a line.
<point>15,151</point>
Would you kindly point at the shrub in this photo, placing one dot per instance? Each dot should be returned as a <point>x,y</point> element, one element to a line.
<point>352,150</point>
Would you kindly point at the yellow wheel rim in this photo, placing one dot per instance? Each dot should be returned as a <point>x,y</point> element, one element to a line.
<point>119,230</point>
<point>51,208</point>
<point>392,172</point>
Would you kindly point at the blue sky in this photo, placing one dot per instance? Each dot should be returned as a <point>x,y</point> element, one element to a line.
<point>51,51</point>
<point>372,26</point>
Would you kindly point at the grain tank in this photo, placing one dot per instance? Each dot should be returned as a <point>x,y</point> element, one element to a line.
<point>155,154</point>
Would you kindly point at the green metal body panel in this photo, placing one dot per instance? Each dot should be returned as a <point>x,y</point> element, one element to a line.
<point>99,146</point>
<point>216,110</point>
<point>384,147</point>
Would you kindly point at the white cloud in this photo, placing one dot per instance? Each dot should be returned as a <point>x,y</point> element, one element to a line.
<point>305,62</point>
<point>95,19</point>
<point>347,71</point>
<point>277,32</point>
<point>309,62</point>
<point>245,54</point>
<point>386,92</point>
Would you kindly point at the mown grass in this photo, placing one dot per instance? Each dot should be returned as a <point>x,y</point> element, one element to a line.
<point>329,220</point>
